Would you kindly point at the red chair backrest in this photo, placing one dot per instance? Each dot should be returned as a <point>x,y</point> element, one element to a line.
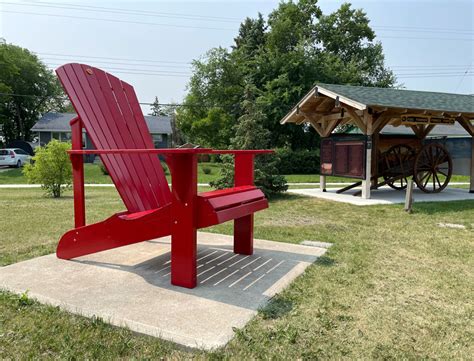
<point>112,117</point>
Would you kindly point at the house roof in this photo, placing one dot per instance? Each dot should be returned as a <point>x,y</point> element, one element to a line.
<point>59,122</point>
<point>402,98</point>
<point>362,98</point>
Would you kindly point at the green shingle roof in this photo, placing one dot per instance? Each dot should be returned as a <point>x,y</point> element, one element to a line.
<point>401,98</point>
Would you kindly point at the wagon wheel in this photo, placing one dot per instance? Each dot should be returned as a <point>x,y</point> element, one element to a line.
<point>433,168</point>
<point>397,165</point>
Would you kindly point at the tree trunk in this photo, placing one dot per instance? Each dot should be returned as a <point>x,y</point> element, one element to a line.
<point>21,130</point>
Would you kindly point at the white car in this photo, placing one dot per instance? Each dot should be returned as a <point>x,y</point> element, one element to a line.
<point>14,157</point>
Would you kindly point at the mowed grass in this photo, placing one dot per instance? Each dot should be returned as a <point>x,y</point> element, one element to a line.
<point>394,285</point>
<point>93,175</point>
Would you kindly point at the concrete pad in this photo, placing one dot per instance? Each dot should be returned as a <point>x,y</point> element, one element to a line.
<point>386,195</point>
<point>130,286</point>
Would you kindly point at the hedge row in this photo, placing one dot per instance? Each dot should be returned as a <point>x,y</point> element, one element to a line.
<point>298,162</point>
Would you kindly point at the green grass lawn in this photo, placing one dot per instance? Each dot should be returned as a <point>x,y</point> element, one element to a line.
<point>394,285</point>
<point>94,175</point>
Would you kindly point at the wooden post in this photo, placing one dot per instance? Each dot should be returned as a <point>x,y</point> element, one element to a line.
<point>409,196</point>
<point>375,160</point>
<point>471,186</point>
<point>368,169</point>
<point>322,183</point>
<point>366,183</point>
<point>77,161</point>
<point>243,226</point>
<point>183,217</point>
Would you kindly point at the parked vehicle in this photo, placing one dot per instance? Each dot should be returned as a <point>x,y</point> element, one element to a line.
<point>14,157</point>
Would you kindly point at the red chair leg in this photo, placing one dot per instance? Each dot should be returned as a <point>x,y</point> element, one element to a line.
<point>243,235</point>
<point>183,227</point>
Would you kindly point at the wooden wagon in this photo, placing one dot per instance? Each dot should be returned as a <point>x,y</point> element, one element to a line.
<point>398,158</point>
<point>372,157</point>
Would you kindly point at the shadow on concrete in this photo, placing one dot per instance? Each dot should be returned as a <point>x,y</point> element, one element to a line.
<point>223,276</point>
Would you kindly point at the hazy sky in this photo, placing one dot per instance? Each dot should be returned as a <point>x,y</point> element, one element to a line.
<point>429,44</point>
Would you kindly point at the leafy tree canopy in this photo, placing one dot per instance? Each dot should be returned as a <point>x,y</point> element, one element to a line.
<point>282,57</point>
<point>37,89</point>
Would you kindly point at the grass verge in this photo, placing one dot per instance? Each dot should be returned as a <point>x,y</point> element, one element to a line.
<point>394,285</point>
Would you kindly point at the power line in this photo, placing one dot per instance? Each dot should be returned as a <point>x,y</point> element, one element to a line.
<point>45,4</point>
<point>434,76</point>
<point>464,76</point>
<point>138,71</point>
<point>428,66</point>
<point>197,27</point>
<point>141,103</point>
<point>422,29</point>
<point>46,59</point>
<point>131,69</point>
<point>114,58</point>
<point>128,11</point>
<point>131,61</point>
<point>421,38</point>
<point>116,20</point>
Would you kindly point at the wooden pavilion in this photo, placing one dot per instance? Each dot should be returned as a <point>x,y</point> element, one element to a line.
<point>328,106</point>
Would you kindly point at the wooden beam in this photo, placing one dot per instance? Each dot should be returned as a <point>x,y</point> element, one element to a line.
<point>427,130</point>
<point>318,128</point>
<point>369,122</point>
<point>467,125</point>
<point>357,119</point>
<point>330,126</point>
<point>416,129</point>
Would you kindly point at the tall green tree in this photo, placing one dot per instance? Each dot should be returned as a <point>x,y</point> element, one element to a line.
<point>163,110</point>
<point>250,133</point>
<point>28,89</point>
<point>283,57</point>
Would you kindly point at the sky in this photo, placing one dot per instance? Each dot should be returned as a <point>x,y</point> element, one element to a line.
<point>150,44</point>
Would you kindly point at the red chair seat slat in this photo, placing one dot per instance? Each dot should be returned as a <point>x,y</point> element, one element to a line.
<point>223,205</point>
<point>231,199</point>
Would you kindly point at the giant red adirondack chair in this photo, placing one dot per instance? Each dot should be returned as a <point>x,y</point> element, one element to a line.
<point>109,111</point>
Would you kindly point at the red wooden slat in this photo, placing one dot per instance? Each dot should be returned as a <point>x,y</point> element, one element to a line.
<point>77,98</point>
<point>221,192</point>
<point>236,198</point>
<point>95,119</point>
<point>67,77</point>
<point>242,210</point>
<point>160,178</point>
<point>109,125</point>
<point>113,119</point>
<point>115,123</point>
<point>149,163</point>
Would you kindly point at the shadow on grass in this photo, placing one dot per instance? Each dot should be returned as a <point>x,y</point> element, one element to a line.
<point>442,207</point>
<point>285,197</point>
<point>325,261</point>
<point>277,308</point>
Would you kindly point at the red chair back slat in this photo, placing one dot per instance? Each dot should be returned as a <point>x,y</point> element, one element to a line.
<point>112,117</point>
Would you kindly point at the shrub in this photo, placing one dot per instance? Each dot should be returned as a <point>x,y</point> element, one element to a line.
<point>206,170</point>
<point>51,168</point>
<point>298,161</point>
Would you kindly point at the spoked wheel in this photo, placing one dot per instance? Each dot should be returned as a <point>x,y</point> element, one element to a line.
<point>397,164</point>
<point>433,168</point>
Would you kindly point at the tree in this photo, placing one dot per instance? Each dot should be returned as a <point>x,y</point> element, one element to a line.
<point>33,87</point>
<point>51,168</point>
<point>250,134</point>
<point>283,58</point>
<point>157,109</point>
